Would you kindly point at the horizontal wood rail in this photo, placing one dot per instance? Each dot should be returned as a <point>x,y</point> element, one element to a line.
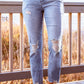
<point>16,7</point>
<point>26,74</point>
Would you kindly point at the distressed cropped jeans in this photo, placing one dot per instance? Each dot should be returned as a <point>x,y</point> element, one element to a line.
<point>33,11</point>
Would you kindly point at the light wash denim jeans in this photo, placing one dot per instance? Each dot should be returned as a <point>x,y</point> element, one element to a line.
<point>33,11</point>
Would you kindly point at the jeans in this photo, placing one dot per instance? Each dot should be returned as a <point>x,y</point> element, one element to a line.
<point>33,11</point>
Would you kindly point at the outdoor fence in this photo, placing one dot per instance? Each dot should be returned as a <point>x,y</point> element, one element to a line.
<point>16,7</point>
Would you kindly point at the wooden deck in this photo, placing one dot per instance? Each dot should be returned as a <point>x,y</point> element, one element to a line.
<point>74,82</point>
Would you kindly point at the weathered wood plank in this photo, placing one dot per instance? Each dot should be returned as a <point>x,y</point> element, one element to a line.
<point>16,7</point>
<point>26,74</point>
<point>79,39</point>
<point>70,39</point>
<point>74,82</point>
<point>10,42</point>
<point>21,43</point>
<point>73,7</point>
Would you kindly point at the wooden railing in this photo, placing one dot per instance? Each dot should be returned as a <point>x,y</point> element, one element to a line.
<point>16,7</point>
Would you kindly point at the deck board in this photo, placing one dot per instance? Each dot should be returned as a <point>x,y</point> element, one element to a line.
<point>74,82</point>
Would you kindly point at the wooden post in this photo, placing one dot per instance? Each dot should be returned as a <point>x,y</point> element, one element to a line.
<point>70,39</point>
<point>10,42</point>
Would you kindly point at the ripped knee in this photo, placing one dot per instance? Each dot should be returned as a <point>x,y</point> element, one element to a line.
<point>55,45</point>
<point>35,47</point>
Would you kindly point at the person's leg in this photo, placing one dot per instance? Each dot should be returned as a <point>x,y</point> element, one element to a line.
<point>33,17</point>
<point>52,14</point>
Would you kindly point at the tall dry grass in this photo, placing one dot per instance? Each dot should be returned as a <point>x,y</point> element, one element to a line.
<point>16,52</point>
